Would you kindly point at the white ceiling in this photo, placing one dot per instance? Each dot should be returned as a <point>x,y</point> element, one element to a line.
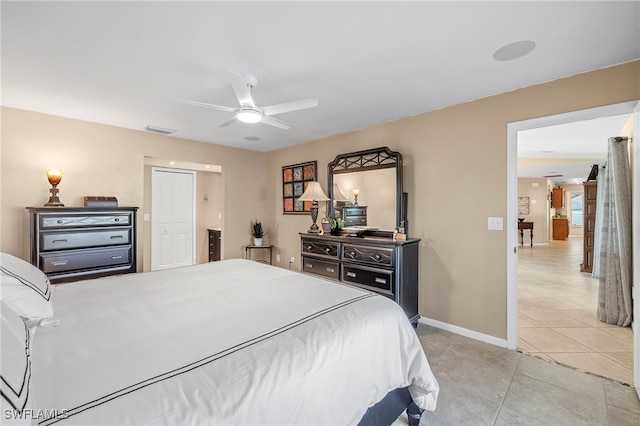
<point>124,63</point>
<point>565,153</point>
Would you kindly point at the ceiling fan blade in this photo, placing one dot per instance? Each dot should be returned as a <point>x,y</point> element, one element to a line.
<point>290,106</point>
<point>241,88</point>
<point>228,121</point>
<point>272,121</point>
<point>202,104</point>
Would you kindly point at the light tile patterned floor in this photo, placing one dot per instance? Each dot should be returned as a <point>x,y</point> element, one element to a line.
<point>557,317</point>
<point>482,384</point>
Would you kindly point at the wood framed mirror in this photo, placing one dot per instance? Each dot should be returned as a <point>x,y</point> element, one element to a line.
<point>377,175</point>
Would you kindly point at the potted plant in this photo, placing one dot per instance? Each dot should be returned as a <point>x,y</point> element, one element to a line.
<point>327,223</point>
<point>332,223</point>
<point>257,232</point>
<point>401,227</point>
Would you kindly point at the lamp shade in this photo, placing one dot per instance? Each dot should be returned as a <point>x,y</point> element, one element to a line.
<point>337,194</point>
<point>313,192</point>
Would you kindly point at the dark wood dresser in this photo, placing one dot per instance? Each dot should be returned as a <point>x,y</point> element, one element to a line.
<point>354,215</point>
<point>379,264</point>
<point>74,243</point>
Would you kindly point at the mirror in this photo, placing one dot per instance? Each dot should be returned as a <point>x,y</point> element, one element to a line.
<point>377,176</point>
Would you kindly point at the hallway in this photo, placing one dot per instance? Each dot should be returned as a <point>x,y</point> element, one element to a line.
<point>557,313</point>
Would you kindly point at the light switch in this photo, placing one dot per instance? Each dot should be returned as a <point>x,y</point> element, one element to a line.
<point>145,217</point>
<point>495,224</point>
<point>534,202</point>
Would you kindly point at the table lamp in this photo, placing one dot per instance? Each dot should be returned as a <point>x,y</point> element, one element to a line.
<point>314,193</point>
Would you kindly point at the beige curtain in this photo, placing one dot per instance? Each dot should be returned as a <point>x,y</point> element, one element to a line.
<point>614,293</point>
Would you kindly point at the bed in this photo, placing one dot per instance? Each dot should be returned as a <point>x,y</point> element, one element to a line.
<point>230,342</point>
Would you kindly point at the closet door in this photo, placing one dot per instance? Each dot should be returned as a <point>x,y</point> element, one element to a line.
<point>172,218</point>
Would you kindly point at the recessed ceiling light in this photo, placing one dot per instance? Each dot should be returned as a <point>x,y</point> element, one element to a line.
<point>172,162</point>
<point>547,152</point>
<point>252,138</point>
<point>514,50</point>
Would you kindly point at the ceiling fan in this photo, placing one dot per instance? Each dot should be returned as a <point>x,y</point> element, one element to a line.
<point>248,111</point>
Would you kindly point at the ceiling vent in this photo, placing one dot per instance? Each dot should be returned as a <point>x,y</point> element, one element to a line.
<point>552,176</point>
<point>159,130</point>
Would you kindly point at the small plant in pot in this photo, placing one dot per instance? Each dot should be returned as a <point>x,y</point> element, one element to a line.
<point>328,223</point>
<point>257,232</point>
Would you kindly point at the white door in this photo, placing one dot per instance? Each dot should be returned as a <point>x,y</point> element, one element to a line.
<point>172,218</point>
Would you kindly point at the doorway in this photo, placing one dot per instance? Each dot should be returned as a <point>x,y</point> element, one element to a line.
<point>512,185</point>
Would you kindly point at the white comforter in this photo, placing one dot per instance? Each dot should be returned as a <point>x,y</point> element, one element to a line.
<point>230,342</point>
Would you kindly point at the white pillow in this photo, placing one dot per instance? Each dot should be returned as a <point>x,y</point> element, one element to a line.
<point>15,368</point>
<point>25,288</point>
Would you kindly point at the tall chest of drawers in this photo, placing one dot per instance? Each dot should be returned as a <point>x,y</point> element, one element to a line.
<point>70,244</point>
<point>384,266</point>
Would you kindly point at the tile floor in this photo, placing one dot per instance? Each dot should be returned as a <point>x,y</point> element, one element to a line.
<point>557,317</point>
<point>482,384</point>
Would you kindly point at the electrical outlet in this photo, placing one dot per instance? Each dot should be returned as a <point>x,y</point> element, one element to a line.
<point>278,258</point>
<point>292,260</point>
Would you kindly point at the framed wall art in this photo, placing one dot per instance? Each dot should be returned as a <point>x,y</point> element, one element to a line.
<point>523,205</point>
<point>294,181</point>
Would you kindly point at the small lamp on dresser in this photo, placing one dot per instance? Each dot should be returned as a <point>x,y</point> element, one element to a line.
<point>356,192</point>
<point>314,193</point>
<point>54,176</point>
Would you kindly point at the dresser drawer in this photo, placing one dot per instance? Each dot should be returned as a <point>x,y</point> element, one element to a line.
<point>354,211</point>
<point>321,267</point>
<point>371,255</point>
<point>75,221</point>
<point>84,259</point>
<point>69,240</point>
<point>378,280</point>
<point>324,248</point>
<point>355,221</point>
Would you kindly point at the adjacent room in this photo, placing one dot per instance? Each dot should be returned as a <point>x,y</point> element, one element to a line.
<point>222,212</point>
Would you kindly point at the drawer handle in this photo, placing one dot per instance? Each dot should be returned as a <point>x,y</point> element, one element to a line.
<point>330,270</point>
<point>113,237</point>
<point>380,280</point>
<point>377,257</point>
<point>308,265</point>
<point>116,256</point>
<point>327,250</point>
<point>308,248</point>
<point>59,241</point>
<point>59,262</point>
<point>351,274</point>
<point>352,254</point>
<point>117,219</point>
<point>59,221</point>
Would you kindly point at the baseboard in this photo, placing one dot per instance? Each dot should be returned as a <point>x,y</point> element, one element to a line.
<point>464,332</point>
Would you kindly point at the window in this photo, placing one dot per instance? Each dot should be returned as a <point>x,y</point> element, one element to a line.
<point>577,208</point>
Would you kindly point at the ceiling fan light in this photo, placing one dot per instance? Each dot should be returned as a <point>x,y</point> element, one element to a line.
<point>249,116</point>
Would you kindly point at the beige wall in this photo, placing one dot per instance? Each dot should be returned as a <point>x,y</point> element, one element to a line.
<point>537,189</point>
<point>456,177</point>
<point>105,160</point>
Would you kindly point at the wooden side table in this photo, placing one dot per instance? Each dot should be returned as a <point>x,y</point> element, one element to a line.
<point>522,226</point>
<point>249,248</point>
